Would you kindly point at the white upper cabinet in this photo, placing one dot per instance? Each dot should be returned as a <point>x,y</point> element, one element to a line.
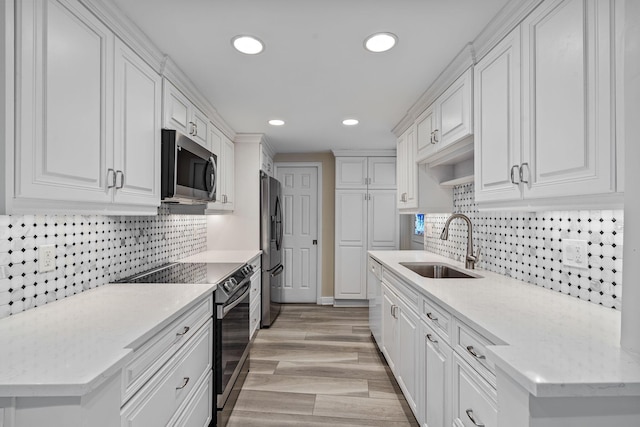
<point>266,160</point>
<point>182,115</point>
<point>443,129</point>
<point>454,118</point>
<point>89,115</point>
<point>64,120</point>
<point>381,173</point>
<point>557,144</point>
<point>351,172</point>
<point>138,92</point>
<point>497,121</point>
<point>224,150</point>
<point>568,99</point>
<point>407,170</point>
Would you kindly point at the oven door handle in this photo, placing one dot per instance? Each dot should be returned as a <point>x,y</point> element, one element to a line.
<point>227,309</point>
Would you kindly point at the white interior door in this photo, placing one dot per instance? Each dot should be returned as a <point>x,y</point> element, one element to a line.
<point>300,249</point>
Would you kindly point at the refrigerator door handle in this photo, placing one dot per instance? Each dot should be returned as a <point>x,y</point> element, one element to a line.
<point>277,270</point>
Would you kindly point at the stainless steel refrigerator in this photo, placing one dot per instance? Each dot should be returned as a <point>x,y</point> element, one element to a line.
<point>271,234</point>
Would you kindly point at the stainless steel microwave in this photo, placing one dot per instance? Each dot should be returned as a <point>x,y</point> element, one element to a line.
<point>188,170</point>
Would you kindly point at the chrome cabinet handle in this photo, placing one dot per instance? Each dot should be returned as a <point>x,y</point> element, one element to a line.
<point>474,353</point>
<point>118,187</point>
<point>430,338</point>
<point>195,126</point>
<point>185,381</point>
<point>522,166</point>
<point>184,331</point>
<point>432,140</point>
<point>435,136</point>
<point>473,420</point>
<point>431,317</point>
<point>512,177</point>
<point>113,181</point>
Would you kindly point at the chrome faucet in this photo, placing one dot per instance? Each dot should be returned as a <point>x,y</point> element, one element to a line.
<point>471,259</point>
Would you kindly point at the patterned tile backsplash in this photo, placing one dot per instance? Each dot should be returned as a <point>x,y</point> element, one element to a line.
<point>528,246</point>
<point>91,250</point>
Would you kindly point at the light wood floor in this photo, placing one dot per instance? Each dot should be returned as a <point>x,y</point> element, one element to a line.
<point>318,366</point>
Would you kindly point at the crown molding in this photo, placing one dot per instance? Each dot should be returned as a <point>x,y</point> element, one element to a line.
<point>500,25</point>
<point>364,153</point>
<point>252,138</point>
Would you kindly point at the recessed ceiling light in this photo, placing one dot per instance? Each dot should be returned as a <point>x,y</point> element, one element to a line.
<point>350,122</point>
<point>247,44</point>
<point>380,42</point>
<point>276,122</point>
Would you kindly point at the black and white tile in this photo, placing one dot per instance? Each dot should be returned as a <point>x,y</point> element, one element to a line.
<point>91,250</point>
<point>528,246</point>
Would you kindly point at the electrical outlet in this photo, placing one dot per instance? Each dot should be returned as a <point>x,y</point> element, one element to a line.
<point>575,253</point>
<point>46,258</point>
<point>429,230</point>
<point>3,272</point>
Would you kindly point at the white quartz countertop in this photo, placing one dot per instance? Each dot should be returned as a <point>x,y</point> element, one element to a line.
<point>550,343</point>
<point>69,347</point>
<point>241,256</point>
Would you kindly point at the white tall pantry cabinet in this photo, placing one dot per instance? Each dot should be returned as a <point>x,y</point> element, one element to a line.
<point>366,219</point>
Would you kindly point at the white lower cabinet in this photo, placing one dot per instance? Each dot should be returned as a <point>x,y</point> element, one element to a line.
<point>255,313</point>
<point>474,399</point>
<point>435,379</point>
<point>163,396</point>
<point>438,361</point>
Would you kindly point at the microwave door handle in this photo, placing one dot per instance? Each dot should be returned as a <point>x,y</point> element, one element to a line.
<point>214,182</point>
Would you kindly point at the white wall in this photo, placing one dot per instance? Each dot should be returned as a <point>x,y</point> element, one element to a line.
<point>241,229</point>
<point>631,278</point>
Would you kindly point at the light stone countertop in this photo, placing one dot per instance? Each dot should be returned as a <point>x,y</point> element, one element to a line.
<point>554,344</point>
<point>68,348</point>
<point>241,256</point>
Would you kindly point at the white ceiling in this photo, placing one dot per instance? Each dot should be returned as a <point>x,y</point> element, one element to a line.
<point>314,71</point>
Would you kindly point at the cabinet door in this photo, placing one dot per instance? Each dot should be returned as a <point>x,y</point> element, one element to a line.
<point>474,400</point>
<point>381,173</point>
<point>401,170</point>
<point>177,109</point>
<point>497,122</point>
<point>424,134</point>
<point>389,328</point>
<point>374,294</point>
<point>137,129</point>
<point>382,221</point>
<point>407,362</point>
<point>454,119</point>
<point>411,150</point>
<point>228,181</point>
<point>200,126</point>
<point>436,375</point>
<point>567,65</point>
<point>215,145</point>
<point>351,244</point>
<point>65,103</point>
<point>351,172</point>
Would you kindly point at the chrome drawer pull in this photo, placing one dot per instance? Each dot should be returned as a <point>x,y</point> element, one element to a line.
<point>184,331</point>
<point>185,381</point>
<point>430,338</point>
<point>430,316</point>
<point>473,420</point>
<point>474,353</point>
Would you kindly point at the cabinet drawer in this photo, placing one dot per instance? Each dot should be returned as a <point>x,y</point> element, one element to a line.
<point>438,318</point>
<point>473,348</point>
<point>402,289</point>
<point>254,318</point>
<point>199,410</point>
<point>158,401</point>
<point>375,267</point>
<point>154,353</point>
<point>474,400</point>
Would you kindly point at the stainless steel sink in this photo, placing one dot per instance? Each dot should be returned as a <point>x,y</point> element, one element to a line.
<point>435,270</point>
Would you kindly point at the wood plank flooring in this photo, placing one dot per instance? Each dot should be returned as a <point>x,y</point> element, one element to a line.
<point>318,366</point>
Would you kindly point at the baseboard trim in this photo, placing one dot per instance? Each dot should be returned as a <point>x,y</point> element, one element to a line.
<point>351,303</point>
<point>325,301</point>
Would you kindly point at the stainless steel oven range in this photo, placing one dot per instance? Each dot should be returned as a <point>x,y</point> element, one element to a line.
<point>231,322</point>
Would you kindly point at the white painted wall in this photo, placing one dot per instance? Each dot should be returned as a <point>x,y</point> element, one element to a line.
<point>240,229</point>
<point>631,273</point>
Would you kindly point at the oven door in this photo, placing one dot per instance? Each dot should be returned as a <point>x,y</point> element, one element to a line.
<point>232,342</point>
